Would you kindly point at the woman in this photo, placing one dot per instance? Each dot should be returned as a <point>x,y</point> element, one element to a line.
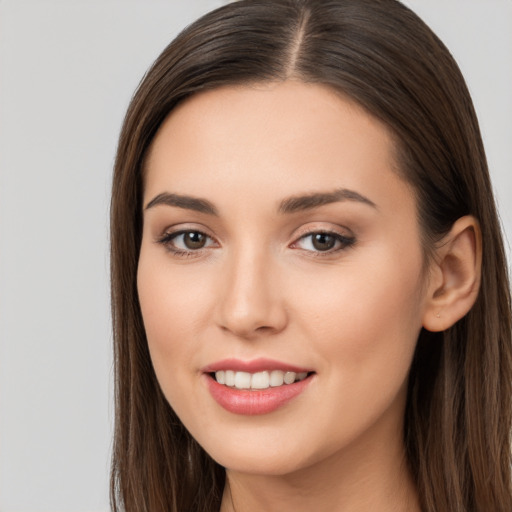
<point>310,297</point>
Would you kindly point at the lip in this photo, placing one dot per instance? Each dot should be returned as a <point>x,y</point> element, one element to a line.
<point>250,402</point>
<point>255,365</point>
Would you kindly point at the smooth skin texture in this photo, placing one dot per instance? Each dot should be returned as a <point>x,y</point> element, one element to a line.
<point>259,283</point>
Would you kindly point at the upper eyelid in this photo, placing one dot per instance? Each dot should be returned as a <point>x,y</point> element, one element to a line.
<point>309,231</point>
<point>177,229</point>
<point>342,231</point>
<point>173,234</point>
<point>326,232</point>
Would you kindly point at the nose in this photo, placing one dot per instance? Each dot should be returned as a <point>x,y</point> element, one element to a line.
<point>251,303</point>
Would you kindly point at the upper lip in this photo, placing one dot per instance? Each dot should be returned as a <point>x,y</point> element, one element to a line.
<point>252,366</point>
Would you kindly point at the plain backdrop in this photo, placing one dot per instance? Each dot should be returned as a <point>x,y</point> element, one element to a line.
<point>67,71</point>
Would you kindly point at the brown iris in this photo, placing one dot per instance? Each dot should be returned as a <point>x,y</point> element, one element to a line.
<point>323,241</point>
<point>194,240</point>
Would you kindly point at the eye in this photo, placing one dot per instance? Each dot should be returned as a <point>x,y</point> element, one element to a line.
<point>188,241</point>
<point>323,241</point>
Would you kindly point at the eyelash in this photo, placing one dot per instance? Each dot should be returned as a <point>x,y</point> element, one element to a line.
<point>344,242</point>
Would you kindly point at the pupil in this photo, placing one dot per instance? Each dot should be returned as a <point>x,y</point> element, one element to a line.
<point>194,240</point>
<point>323,241</point>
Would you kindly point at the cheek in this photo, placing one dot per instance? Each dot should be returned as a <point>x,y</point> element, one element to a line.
<point>366,315</point>
<point>363,324</point>
<point>173,297</point>
<point>174,305</point>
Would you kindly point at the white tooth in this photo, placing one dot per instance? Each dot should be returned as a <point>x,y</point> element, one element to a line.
<point>289,377</point>
<point>242,380</point>
<point>276,378</point>
<point>220,376</point>
<point>301,375</point>
<point>230,378</point>
<point>260,380</point>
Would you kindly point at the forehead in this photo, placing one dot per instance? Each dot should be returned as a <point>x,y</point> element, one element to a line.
<point>284,137</point>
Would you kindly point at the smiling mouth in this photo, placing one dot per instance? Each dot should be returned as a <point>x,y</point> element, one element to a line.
<point>259,380</point>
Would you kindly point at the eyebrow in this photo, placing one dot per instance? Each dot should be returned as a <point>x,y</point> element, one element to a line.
<point>316,199</point>
<point>290,205</point>
<point>186,202</point>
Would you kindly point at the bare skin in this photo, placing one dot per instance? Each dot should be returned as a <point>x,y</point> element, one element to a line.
<point>238,262</point>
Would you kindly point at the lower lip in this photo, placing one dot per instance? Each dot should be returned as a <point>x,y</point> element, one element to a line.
<point>251,402</point>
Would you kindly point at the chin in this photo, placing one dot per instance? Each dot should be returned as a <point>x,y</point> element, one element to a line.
<point>272,455</point>
<point>263,463</point>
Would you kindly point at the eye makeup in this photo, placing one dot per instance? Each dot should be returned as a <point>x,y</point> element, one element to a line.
<point>193,242</point>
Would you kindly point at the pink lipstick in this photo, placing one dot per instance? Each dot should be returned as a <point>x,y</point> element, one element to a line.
<point>255,387</point>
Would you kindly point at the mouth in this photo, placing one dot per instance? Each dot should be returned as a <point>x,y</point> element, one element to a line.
<point>255,387</point>
<point>258,380</point>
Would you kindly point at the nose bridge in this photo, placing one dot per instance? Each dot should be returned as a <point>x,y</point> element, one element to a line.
<point>250,300</point>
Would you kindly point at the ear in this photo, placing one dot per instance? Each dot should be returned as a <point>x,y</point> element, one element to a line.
<point>454,278</point>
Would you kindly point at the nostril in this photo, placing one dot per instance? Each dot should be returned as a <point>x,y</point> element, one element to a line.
<point>264,328</point>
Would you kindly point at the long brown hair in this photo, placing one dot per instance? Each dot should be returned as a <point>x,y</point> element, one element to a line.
<point>459,411</point>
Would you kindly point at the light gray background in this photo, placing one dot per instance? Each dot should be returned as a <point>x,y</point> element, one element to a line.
<point>67,71</point>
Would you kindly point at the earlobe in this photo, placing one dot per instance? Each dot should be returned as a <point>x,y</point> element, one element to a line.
<point>455,275</point>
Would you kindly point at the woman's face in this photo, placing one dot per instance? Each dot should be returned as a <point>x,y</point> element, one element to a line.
<point>280,245</point>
